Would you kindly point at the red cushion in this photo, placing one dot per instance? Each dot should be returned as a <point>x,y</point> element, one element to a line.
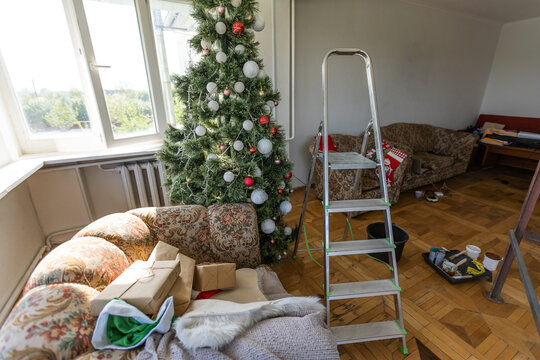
<point>331,146</point>
<point>511,122</point>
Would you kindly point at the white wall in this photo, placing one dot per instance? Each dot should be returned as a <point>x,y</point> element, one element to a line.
<point>431,66</point>
<point>514,84</point>
<point>21,238</point>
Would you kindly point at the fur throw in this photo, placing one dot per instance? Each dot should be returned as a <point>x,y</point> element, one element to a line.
<point>217,322</point>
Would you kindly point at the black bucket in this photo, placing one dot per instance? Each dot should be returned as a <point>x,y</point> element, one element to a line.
<point>377,231</point>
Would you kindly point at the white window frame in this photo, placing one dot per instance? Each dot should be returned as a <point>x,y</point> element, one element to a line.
<point>101,136</point>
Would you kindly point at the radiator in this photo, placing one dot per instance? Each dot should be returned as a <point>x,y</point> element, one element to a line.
<point>143,184</point>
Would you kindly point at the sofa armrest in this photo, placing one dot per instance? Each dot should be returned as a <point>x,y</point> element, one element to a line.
<point>456,144</point>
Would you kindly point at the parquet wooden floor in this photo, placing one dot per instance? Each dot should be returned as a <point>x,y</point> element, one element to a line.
<point>453,321</point>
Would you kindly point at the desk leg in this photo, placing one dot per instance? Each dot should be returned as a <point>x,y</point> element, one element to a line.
<point>489,158</point>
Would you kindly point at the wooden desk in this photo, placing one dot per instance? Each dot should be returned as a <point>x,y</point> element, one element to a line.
<point>510,156</point>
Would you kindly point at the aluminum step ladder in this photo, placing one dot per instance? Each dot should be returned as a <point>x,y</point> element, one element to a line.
<point>357,161</point>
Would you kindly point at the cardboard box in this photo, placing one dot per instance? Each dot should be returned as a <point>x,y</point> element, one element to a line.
<point>181,290</point>
<point>214,276</point>
<point>145,285</point>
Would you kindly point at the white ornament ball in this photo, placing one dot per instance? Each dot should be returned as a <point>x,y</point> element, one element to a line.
<point>236,3</point>
<point>221,57</point>
<point>211,157</point>
<point>238,145</point>
<point>264,146</point>
<point>259,196</point>
<point>211,87</point>
<point>287,231</point>
<point>257,172</point>
<point>221,28</point>
<point>205,44</point>
<point>261,74</point>
<point>258,23</point>
<point>228,176</point>
<point>239,86</point>
<point>250,69</point>
<point>285,207</point>
<point>239,49</point>
<point>200,130</point>
<point>281,185</point>
<point>213,105</point>
<point>247,125</point>
<point>268,226</point>
<point>267,109</point>
<point>270,104</point>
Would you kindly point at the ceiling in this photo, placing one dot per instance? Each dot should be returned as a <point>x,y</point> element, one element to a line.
<point>498,10</point>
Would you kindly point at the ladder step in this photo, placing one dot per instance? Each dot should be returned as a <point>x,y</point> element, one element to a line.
<point>353,247</point>
<point>357,205</point>
<point>366,332</point>
<point>348,160</point>
<point>361,289</point>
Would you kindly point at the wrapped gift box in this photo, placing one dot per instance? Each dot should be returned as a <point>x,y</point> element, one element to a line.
<point>214,276</point>
<point>145,285</point>
<point>181,290</point>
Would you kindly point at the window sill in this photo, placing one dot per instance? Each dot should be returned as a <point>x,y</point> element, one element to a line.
<point>14,173</point>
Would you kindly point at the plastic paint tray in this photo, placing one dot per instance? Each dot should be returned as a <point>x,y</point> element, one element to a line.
<point>462,268</point>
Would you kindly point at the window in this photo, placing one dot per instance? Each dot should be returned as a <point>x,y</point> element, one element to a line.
<point>78,74</point>
<point>37,49</point>
<point>173,29</point>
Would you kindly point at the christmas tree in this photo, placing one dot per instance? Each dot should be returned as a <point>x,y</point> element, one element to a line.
<point>227,147</point>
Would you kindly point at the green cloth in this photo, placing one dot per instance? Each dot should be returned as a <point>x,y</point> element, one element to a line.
<point>126,331</point>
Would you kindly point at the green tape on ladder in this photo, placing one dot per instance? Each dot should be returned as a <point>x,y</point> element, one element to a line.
<point>328,294</point>
<point>397,287</point>
<point>389,243</point>
<point>385,202</point>
<point>405,351</point>
<point>399,327</point>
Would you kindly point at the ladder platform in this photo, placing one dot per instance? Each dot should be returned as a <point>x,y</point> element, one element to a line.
<point>354,247</point>
<point>367,332</point>
<point>357,205</point>
<point>348,160</point>
<point>362,289</point>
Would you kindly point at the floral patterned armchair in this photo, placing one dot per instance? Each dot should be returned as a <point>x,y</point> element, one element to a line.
<point>52,318</point>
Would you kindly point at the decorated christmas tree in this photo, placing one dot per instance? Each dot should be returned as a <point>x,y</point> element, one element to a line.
<point>227,147</point>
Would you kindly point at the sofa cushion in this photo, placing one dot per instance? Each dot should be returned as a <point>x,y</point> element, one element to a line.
<point>234,234</point>
<point>49,322</point>
<point>432,161</point>
<point>126,231</point>
<point>183,226</point>
<point>87,260</point>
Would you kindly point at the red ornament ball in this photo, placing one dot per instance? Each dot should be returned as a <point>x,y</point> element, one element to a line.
<point>222,147</point>
<point>206,52</point>
<point>249,181</point>
<point>238,28</point>
<point>288,176</point>
<point>252,150</point>
<point>276,103</point>
<point>226,92</point>
<point>280,191</point>
<point>221,9</point>
<point>264,120</point>
<point>274,130</point>
<point>277,161</point>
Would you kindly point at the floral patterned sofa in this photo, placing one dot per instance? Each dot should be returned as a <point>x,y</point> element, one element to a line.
<point>52,318</point>
<point>442,153</point>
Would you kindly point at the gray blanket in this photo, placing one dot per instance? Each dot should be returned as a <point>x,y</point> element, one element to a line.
<point>307,337</point>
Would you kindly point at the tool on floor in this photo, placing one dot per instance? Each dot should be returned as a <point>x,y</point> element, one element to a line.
<point>513,250</point>
<point>332,161</point>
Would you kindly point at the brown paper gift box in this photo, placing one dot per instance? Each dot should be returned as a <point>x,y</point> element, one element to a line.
<point>181,290</point>
<point>144,285</point>
<point>214,276</point>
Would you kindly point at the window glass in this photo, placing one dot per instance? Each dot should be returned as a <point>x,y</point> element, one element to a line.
<point>116,40</point>
<point>36,46</point>
<point>173,28</point>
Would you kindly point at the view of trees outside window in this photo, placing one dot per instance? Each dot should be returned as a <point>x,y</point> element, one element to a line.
<point>38,53</point>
